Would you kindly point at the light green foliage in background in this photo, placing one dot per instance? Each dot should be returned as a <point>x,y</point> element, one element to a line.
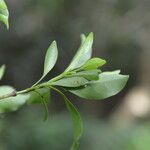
<point>83,77</point>
<point>4,14</point>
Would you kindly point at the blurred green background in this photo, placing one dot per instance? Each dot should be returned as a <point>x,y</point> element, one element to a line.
<point>122,37</point>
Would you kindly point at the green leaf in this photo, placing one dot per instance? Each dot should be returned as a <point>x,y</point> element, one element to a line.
<point>4,14</point>
<point>71,82</point>
<point>76,118</point>
<point>43,94</point>
<point>77,123</point>
<point>2,71</point>
<point>83,54</point>
<point>83,38</point>
<point>113,72</point>
<point>109,84</point>
<point>89,75</point>
<point>14,103</point>
<point>50,60</point>
<point>35,99</point>
<point>92,64</point>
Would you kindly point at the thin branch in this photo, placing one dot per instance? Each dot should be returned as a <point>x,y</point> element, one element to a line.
<point>12,94</point>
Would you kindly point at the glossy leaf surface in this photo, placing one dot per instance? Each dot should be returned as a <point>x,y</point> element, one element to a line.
<point>109,84</point>
<point>50,60</point>
<point>89,75</point>
<point>83,54</point>
<point>71,82</point>
<point>93,63</point>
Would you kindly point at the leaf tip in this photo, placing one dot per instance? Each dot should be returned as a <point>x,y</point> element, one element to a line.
<point>54,42</point>
<point>83,38</point>
<point>104,62</point>
<point>2,70</point>
<point>91,35</point>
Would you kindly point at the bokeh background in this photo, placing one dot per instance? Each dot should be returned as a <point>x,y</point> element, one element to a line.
<point>122,37</point>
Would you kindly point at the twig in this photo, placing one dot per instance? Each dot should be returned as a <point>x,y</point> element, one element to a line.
<point>12,94</point>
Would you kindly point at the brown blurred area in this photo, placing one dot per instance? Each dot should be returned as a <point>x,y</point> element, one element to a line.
<point>121,36</point>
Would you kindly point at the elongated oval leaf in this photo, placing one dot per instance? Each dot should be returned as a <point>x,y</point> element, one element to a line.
<point>93,63</point>
<point>77,123</point>
<point>109,84</point>
<point>76,118</point>
<point>83,54</point>
<point>4,14</point>
<point>50,60</point>
<point>71,82</point>
<point>2,71</point>
<point>14,103</point>
<point>89,75</point>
